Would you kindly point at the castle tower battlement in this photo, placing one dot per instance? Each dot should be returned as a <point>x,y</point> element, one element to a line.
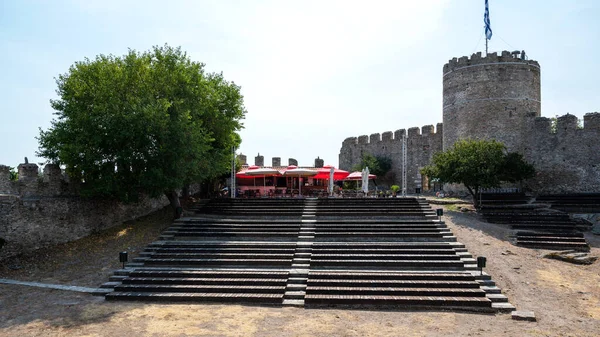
<point>492,97</point>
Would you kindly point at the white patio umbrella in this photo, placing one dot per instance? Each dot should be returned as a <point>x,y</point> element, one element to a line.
<point>300,172</point>
<point>330,187</point>
<point>264,172</point>
<point>365,180</point>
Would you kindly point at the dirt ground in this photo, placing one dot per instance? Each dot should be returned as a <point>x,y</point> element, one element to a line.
<point>564,297</point>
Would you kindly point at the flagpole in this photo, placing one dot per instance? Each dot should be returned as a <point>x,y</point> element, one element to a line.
<point>487,28</point>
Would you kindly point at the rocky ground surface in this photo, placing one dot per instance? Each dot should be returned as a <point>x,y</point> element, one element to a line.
<point>564,297</point>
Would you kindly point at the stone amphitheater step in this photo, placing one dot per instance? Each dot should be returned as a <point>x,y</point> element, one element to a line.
<point>573,203</point>
<point>413,256</point>
<point>201,288</point>
<point>395,289</point>
<point>234,262</point>
<point>554,245</point>
<point>274,299</point>
<point>455,302</point>
<point>393,264</point>
<point>370,252</point>
<point>537,228</point>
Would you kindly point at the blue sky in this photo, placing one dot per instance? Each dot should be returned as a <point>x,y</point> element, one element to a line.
<point>312,72</point>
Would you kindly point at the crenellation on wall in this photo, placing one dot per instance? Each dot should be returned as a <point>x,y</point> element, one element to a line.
<point>243,159</point>
<point>375,138</point>
<point>364,139</point>
<point>439,128</point>
<point>259,160</point>
<point>476,58</point>
<point>414,132</point>
<point>566,124</point>
<point>427,130</point>
<point>387,136</point>
<point>542,125</point>
<point>292,161</point>
<point>27,172</point>
<point>276,161</point>
<point>591,121</point>
<point>5,183</point>
<point>351,141</point>
<point>399,134</point>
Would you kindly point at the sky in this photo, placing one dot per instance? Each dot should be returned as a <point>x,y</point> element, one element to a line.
<point>312,72</point>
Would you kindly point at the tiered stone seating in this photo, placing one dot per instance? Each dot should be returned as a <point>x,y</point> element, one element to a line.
<point>375,252</point>
<point>280,207</point>
<point>504,199</point>
<point>374,207</point>
<point>572,203</point>
<point>396,289</point>
<point>536,227</point>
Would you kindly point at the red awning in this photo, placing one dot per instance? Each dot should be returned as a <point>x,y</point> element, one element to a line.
<point>325,171</point>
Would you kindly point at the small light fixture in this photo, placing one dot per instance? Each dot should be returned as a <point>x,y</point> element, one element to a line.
<point>481,261</point>
<point>123,258</point>
<point>439,212</point>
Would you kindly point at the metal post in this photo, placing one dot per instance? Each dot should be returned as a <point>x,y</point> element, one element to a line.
<point>404,156</point>
<point>232,184</point>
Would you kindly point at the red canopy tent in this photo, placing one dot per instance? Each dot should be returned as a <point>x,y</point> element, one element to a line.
<point>325,171</point>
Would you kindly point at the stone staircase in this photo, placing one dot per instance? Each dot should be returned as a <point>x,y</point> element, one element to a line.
<point>572,203</point>
<point>535,225</point>
<point>380,253</point>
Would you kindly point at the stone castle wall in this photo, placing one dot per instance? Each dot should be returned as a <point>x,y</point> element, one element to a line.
<point>496,97</point>
<point>421,144</point>
<point>566,159</point>
<point>42,210</point>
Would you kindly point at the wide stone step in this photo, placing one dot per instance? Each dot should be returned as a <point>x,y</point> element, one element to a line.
<point>233,228</point>
<point>348,256</point>
<point>366,275</point>
<point>554,245</point>
<point>216,274</point>
<point>385,245</point>
<point>394,291</point>
<point>220,244</point>
<point>547,238</point>
<point>382,300</point>
<point>387,229</point>
<point>394,283</point>
<point>200,288</point>
<point>351,250</point>
<point>176,250</point>
<point>221,255</point>
<point>197,297</point>
<point>387,263</point>
<point>219,262</point>
<point>232,233</point>
<point>204,281</point>
<point>385,233</point>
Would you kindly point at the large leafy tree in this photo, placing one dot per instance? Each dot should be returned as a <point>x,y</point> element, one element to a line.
<point>478,164</point>
<point>148,122</point>
<point>377,165</point>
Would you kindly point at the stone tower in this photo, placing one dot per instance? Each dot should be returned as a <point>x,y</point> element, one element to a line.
<point>492,97</point>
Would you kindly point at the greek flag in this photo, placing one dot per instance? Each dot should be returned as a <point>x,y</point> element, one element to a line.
<point>486,20</point>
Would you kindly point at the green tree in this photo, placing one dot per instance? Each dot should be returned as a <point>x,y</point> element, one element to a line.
<point>478,164</point>
<point>147,122</point>
<point>377,165</point>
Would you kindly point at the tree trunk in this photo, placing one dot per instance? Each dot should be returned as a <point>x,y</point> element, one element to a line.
<point>185,191</point>
<point>474,196</point>
<point>174,201</point>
